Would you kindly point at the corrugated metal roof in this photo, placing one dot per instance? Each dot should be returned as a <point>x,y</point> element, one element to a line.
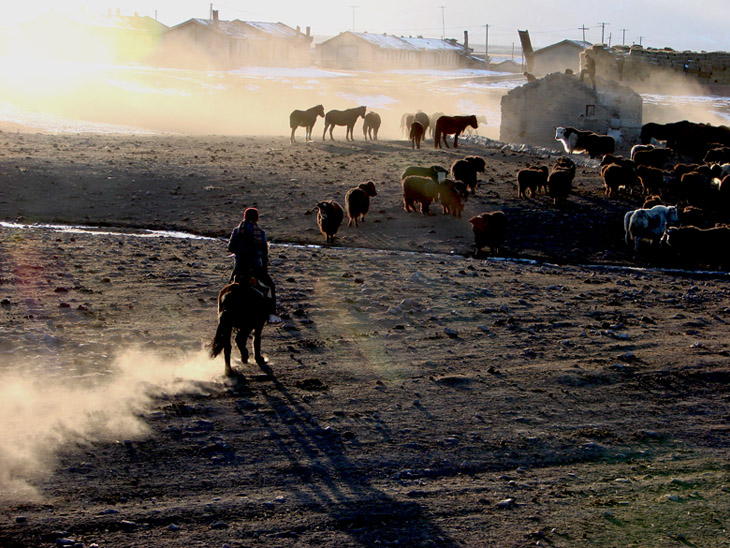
<point>385,41</point>
<point>433,44</point>
<point>277,29</point>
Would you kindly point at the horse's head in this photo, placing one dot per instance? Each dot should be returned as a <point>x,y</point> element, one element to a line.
<point>361,112</point>
<point>319,110</point>
<point>473,121</point>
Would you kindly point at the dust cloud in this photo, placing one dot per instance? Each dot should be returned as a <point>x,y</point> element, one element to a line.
<point>42,417</point>
<point>163,93</point>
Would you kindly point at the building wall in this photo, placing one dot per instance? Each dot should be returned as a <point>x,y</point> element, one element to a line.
<point>531,112</point>
<point>556,60</point>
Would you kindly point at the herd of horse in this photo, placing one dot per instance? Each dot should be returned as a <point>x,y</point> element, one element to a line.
<point>438,125</point>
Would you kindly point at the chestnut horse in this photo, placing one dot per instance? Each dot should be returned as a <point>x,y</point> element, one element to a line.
<point>306,119</point>
<point>343,118</point>
<point>447,125</point>
<point>244,309</point>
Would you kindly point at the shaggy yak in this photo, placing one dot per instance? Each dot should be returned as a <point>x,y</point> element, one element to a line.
<point>452,125</point>
<point>357,202</point>
<point>466,169</point>
<point>419,190</point>
<point>490,230</point>
<point>329,218</point>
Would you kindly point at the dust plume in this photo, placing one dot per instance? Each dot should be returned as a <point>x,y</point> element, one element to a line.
<point>42,416</point>
<point>177,89</point>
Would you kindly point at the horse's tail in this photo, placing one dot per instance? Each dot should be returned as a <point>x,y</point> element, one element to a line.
<point>222,337</point>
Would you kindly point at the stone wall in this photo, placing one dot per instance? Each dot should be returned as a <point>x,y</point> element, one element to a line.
<point>638,64</point>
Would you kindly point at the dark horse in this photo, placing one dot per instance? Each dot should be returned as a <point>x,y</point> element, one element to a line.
<point>447,125</point>
<point>245,309</point>
<point>304,118</point>
<point>343,118</point>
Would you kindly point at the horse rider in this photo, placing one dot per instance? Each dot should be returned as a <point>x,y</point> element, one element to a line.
<point>248,243</point>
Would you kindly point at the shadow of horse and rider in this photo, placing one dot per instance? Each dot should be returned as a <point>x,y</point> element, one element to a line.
<point>335,486</point>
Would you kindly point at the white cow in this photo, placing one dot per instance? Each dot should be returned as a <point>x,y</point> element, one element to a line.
<point>649,224</point>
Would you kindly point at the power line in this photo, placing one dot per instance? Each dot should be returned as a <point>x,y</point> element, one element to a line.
<point>623,36</point>
<point>603,29</point>
<point>584,29</point>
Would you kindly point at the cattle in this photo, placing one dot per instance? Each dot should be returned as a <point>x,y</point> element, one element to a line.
<point>329,218</point>
<point>419,190</point>
<point>437,173</point>
<point>560,180</point>
<point>687,138</point>
<point>575,140</point>
<point>651,179</point>
<point>452,195</point>
<point>717,155</point>
<point>357,202</point>
<point>532,179</point>
<point>466,169</point>
<point>490,230</point>
<point>706,245</point>
<point>615,176</point>
<point>649,224</point>
<point>655,157</point>
<point>637,148</point>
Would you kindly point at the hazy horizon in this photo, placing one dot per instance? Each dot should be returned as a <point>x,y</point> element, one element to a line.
<point>680,25</point>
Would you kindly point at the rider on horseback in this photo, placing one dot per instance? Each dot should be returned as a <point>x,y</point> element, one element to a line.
<point>248,243</point>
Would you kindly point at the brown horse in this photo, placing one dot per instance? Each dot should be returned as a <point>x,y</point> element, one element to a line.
<point>245,309</point>
<point>343,118</point>
<point>448,125</point>
<point>371,125</point>
<point>306,119</point>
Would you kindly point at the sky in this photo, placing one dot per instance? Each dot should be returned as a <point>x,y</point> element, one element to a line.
<point>679,24</point>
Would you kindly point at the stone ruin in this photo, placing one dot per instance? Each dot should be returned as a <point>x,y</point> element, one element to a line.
<point>530,113</point>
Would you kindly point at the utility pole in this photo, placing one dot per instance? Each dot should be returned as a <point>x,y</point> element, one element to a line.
<point>623,36</point>
<point>640,38</point>
<point>210,16</point>
<point>584,29</point>
<point>486,45</point>
<point>353,17</point>
<point>609,39</point>
<point>443,24</point>
<point>603,28</point>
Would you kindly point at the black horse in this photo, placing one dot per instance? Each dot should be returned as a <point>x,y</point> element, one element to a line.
<point>343,118</point>
<point>304,118</point>
<point>245,309</point>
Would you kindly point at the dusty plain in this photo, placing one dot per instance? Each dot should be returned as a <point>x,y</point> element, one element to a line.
<point>415,395</point>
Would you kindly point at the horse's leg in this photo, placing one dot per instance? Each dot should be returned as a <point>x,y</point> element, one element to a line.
<point>332,127</point>
<point>324,133</point>
<point>241,339</point>
<point>291,138</point>
<point>227,358</point>
<point>257,344</point>
<point>446,143</point>
<point>456,140</point>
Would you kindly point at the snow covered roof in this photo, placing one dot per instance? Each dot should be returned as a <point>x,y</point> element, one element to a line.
<point>388,41</point>
<point>433,44</point>
<point>246,29</point>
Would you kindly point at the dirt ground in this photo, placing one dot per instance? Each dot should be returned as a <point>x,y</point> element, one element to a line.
<point>415,395</point>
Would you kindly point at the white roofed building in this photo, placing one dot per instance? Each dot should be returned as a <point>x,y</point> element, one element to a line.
<point>213,43</point>
<point>363,50</point>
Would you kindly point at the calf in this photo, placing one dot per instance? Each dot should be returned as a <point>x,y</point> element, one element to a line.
<point>329,218</point>
<point>357,202</point>
<point>466,169</point>
<point>649,224</point>
<point>416,134</point>
<point>419,190</point>
<point>453,194</point>
<point>532,179</point>
<point>490,230</point>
